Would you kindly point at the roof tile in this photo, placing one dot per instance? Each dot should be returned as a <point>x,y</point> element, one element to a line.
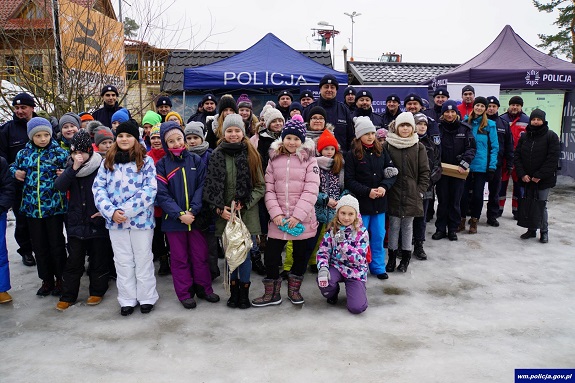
<point>375,73</point>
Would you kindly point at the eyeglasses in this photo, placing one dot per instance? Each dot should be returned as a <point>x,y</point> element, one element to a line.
<point>318,118</point>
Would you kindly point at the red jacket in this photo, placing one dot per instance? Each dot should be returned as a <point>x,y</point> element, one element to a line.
<point>156,155</point>
<point>464,109</point>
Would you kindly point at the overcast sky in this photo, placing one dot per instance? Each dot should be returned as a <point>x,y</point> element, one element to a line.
<point>448,31</point>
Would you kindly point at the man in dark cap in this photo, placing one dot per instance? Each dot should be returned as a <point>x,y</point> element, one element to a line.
<point>306,97</point>
<point>337,113</point>
<point>391,109</point>
<point>109,96</point>
<point>414,103</point>
<point>349,95</point>
<point>363,100</point>
<point>13,138</point>
<point>440,95</point>
<point>163,106</point>
<point>285,98</point>
<point>208,106</point>
<point>467,96</point>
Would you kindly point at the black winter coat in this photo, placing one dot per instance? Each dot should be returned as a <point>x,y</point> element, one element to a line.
<point>434,158</point>
<point>7,187</point>
<point>361,176</point>
<point>340,117</point>
<point>13,137</point>
<point>505,139</point>
<point>537,155</point>
<point>81,205</point>
<point>457,143</point>
<point>388,117</point>
<point>105,113</point>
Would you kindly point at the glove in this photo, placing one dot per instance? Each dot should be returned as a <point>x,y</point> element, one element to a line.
<point>510,170</point>
<point>323,277</point>
<point>390,172</point>
<point>490,175</point>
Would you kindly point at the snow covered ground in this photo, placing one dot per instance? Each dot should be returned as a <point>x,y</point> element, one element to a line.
<point>475,311</point>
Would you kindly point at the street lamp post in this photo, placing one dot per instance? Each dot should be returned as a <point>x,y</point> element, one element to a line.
<point>333,33</point>
<point>351,16</point>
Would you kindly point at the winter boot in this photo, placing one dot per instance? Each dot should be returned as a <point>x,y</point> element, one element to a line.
<point>244,302</point>
<point>271,293</point>
<point>529,234</point>
<point>57,288</point>
<point>233,302</point>
<point>418,251</point>
<point>294,284</point>
<point>544,238</point>
<point>473,226</point>
<point>257,264</point>
<point>333,300</point>
<point>46,288</point>
<point>391,261</point>
<point>5,297</point>
<point>461,225</point>
<point>164,265</point>
<point>405,258</point>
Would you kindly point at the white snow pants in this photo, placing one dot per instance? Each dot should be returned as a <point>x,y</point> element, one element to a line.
<point>133,258</point>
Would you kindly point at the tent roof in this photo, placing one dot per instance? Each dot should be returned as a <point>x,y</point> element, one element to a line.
<point>513,63</point>
<point>173,80</point>
<point>269,63</point>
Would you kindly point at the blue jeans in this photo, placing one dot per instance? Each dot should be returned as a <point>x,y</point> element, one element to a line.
<point>243,272</point>
<point>375,225</point>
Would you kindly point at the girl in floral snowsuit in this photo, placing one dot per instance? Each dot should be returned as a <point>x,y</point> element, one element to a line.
<point>342,257</point>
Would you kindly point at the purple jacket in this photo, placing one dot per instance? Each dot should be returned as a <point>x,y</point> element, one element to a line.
<point>292,185</point>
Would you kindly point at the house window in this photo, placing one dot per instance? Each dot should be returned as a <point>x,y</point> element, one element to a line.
<point>32,12</point>
<point>35,66</point>
<point>132,66</point>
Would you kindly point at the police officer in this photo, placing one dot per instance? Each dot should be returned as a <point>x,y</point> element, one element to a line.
<point>363,100</point>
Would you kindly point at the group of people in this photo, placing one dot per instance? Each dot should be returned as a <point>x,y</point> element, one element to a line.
<point>322,180</point>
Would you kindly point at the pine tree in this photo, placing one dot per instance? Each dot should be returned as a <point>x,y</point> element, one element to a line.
<point>563,42</point>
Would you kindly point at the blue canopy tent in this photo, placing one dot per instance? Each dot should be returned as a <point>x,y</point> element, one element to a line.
<point>269,63</point>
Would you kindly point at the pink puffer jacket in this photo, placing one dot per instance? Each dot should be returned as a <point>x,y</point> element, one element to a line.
<point>292,185</point>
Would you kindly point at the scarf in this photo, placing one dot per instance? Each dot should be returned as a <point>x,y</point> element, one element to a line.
<point>360,112</point>
<point>214,186</point>
<point>314,134</point>
<point>199,149</point>
<point>90,166</point>
<point>401,142</point>
<point>324,163</point>
<point>123,157</point>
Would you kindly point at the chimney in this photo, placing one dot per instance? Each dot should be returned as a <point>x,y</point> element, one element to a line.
<point>344,49</point>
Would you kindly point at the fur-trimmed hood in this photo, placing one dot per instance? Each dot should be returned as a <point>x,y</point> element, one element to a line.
<point>304,152</point>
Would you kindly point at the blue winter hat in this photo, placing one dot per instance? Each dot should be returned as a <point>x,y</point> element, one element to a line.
<point>448,105</point>
<point>108,88</point>
<point>493,100</point>
<point>121,116</point>
<point>23,99</point>
<point>393,97</point>
<point>38,124</point>
<point>295,126</point>
<point>306,93</point>
<point>296,105</point>
<point>363,93</point>
<point>441,91</point>
<point>285,93</point>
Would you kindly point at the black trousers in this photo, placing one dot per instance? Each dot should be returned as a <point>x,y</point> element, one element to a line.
<point>273,257</point>
<point>493,202</point>
<point>21,231</point>
<point>449,191</point>
<point>159,244</point>
<point>99,252</point>
<point>49,245</point>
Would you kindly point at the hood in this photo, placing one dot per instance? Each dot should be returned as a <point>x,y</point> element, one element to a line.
<point>164,128</point>
<point>304,152</point>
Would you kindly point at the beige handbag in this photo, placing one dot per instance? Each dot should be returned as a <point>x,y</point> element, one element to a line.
<point>237,242</point>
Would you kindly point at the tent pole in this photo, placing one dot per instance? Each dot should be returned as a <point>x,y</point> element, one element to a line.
<point>184,103</point>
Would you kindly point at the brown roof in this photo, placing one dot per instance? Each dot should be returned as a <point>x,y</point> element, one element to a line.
<point>10,8</point>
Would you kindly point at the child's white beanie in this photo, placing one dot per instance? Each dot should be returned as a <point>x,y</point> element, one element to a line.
<point>348,200</point>
<point>363,125</point>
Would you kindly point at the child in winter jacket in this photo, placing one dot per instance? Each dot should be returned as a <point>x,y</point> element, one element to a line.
<point>342,257</point>
<point>235,174</point>
<point>85,227</point>
<point>124,193</point>
<point>69,125</point>
<point>181,177</point>
<point>7,190</point>
<point>38,165</point>
<point>405,199</point>
<point>292,184</point>
<point>433,150</point>
<point>159,247</point>
<point>196,144</point>
<point>369,174</point>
